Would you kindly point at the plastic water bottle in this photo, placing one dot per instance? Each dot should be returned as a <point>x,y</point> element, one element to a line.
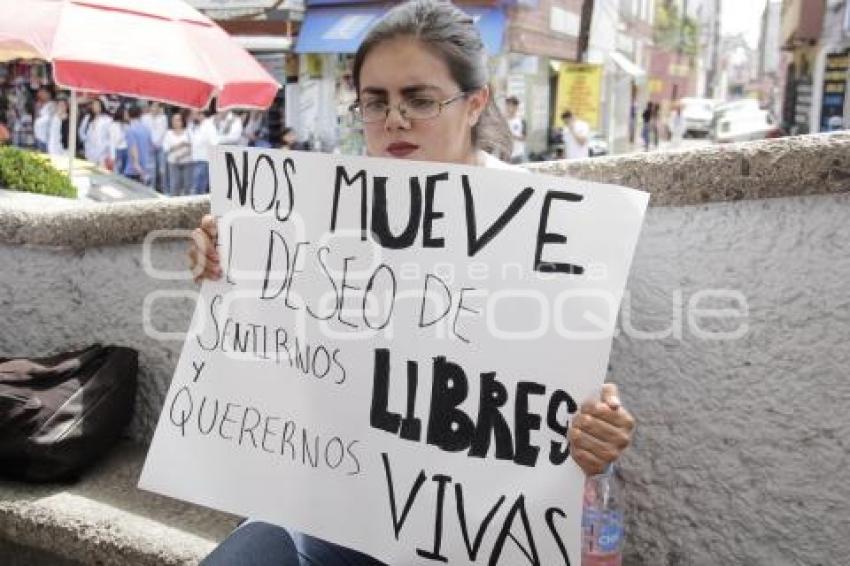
<point>602,525</point>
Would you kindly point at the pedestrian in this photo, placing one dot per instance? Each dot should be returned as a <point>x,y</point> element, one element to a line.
<point>178,155</point>
<point>677,126</point>
<point>22,125</point>
<point>42,114</point>
<point>421,80</point>
<point>140,149</point>
<point>655,123</point>
<point>230,125</point>
<point>252,130</point>
<point>94,133</point>
<point>576,134</point>
<point>646,118</point>
<point>5,95</point>
<point>516,124</point>
<point>118,140</point>
<point>155,120</point>
<point>5,134</point>
<point>203,134</point>
<point>289,140</point>
<point>57,129</point>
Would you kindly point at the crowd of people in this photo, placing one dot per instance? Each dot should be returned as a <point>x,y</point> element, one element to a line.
<point>161,146</point>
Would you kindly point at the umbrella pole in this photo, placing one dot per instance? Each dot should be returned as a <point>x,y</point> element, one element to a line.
<point>72,135</point>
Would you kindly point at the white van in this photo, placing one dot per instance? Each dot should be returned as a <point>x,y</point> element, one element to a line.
<point>698,113</point>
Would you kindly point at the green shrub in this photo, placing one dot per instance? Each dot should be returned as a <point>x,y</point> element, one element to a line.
<point>31,172</point>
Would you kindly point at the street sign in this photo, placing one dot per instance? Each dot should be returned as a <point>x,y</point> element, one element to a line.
<point>579,90</point>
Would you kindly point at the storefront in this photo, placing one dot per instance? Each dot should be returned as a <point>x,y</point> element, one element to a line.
<point>541,36</point>
<point>833,108</point>
<point>801,28</point>
<point>831,75</point>
<point>19,82</point>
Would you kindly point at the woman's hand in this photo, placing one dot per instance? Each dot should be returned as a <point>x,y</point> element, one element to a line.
<point>203,257</point>
<point>600,431</point>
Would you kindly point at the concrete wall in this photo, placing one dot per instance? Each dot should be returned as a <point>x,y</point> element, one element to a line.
<point>741,454</point>
<point>741,450</point>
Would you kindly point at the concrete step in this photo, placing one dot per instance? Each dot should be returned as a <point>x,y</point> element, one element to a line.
<point>105,519</point>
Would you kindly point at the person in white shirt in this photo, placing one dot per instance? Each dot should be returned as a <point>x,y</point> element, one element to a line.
<point>56,145</point>
<point>118,140</point>
<point>251,133</point>
<point>203,134</point>
<point>156,122</point>
<point>229,128</point>
<point>516,124</point>
<point>677,126</point>
<point>576,137</point>
<point>95,134</point>
<point>177,146</point>
<point>44,109</point>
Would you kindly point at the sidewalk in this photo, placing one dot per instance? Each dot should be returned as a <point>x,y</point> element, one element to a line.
<point>623,147</point>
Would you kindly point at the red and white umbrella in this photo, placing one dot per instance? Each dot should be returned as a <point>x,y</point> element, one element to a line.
<point>156,49</point>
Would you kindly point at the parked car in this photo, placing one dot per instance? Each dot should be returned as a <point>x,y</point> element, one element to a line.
<point>747,125</point>
<point>698,113</point>
<point>597,145</point>
<point>724,108</point>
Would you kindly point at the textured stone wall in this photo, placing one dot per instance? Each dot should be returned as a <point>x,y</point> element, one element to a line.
<point>54,300</point>
<point>741,451</point>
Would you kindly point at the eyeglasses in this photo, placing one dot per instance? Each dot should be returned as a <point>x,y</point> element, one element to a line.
<point>417,108</point>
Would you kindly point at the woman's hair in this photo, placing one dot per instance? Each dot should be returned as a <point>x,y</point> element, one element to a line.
<point>450,34</point>
<point>120,114</point>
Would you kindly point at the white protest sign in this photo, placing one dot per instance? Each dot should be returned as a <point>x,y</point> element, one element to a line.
<point>393,356</point>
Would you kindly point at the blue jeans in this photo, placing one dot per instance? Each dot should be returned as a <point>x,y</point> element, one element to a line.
<point>201,178</point>
<point>180,179</point>
<point>120,160</point>
<point>262,544</point>
<point>160,173</point>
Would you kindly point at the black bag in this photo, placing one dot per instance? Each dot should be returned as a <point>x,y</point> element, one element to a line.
<point>59,414</point>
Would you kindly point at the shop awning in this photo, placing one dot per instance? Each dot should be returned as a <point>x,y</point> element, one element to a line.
<point>491,26</point>
<point>625,65</point>
<point>341,29</point>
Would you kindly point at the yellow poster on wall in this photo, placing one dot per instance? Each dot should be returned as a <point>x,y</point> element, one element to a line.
<point>579,90</point>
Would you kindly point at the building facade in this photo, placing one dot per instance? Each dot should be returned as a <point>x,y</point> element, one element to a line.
<point>800,32</point>
<point>620,42</point>
<point>831,74</point>
<point>540,36</point>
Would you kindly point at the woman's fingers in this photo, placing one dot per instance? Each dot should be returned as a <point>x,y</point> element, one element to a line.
<point>610,396</point>
<point>618,417</point>
<point>602,431</point>
<point>588,462</point>
<point>603,449</point>
<point>210,226</point>
<point>203,257</point>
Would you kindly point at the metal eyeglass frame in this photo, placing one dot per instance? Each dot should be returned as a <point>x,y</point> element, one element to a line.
<point>356,108</point>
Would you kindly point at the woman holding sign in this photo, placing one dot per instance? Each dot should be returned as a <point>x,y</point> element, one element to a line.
<point>422,94</point>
